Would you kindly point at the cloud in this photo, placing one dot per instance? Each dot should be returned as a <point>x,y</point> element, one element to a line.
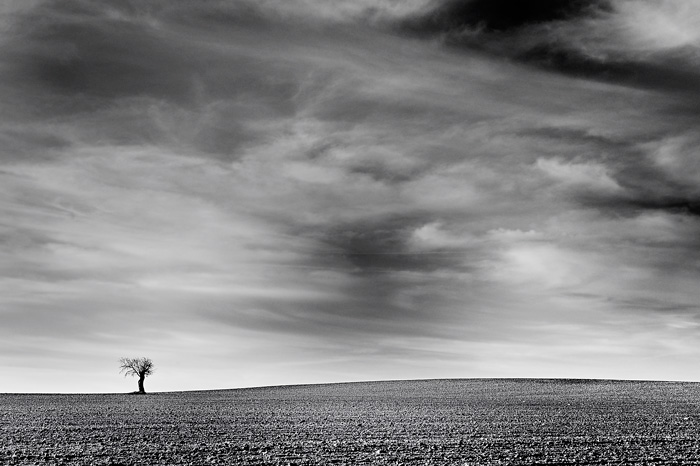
<point>674,156</point>
<point>584,175</point>
<point>637,43</point>
<point>328,187</point>
<point>498,16</point>
<point>642,28</point>
<point>432,236</point>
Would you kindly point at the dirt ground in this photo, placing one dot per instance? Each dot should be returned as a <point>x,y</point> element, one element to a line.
<point>438,422</point>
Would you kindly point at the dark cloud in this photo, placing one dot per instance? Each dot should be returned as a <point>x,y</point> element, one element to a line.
<point>111,73</point>
<point>645,187</point>
<point>661,73</point>
<point>658,305</point>
<point>630,167</point>
<point>381,246</point>
<point>105,59</point>
<point>680,206</point>
<point>561,36</point>
<point>381,172</point>
<point>500,16</point>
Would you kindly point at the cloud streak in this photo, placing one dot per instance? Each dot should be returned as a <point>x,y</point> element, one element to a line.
<point>280,192</point>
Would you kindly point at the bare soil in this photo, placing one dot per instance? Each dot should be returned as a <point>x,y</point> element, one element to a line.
<point>432,422</point>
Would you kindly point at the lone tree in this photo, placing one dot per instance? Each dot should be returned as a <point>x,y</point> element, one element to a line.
<point>142,367</point>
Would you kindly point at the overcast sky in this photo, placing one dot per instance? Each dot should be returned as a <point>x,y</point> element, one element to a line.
<point>263,192</point>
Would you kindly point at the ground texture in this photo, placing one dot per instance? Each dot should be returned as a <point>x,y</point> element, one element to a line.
<point>438,422</point>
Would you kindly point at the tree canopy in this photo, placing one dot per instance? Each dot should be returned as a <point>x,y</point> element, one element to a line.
<point>141,367</point>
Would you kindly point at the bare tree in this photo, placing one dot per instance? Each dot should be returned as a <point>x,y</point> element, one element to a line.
<point>141,367</point>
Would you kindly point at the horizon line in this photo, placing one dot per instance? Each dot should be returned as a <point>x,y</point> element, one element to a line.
<point>257,387</point>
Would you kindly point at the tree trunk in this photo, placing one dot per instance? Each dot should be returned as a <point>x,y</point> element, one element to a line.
<point>141,384</point>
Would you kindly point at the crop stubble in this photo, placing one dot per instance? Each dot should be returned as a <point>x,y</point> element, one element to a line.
<point>452,422</point>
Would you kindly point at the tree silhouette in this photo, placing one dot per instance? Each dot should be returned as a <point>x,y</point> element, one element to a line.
<point>141,367</point>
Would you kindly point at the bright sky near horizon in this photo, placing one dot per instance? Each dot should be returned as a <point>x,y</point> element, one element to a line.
<point>264,192</point>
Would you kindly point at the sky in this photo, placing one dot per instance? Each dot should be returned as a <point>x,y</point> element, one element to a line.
<point>267,192</point>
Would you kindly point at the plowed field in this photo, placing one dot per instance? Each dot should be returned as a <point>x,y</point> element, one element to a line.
<point>450,422</point>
